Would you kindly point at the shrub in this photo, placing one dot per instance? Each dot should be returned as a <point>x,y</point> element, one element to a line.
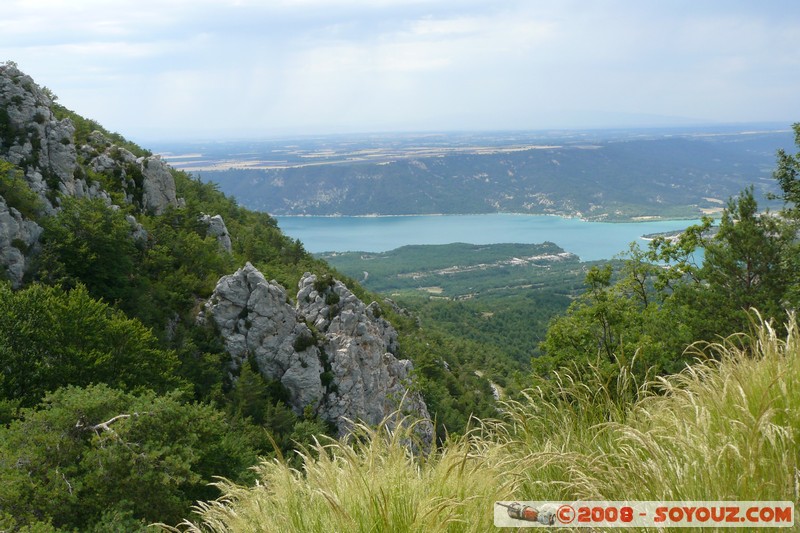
<point>332,298</point>
<point>326,378</point>
<point>17,193</point>
<point>303,342</point>
<point>89,457</point>
<point>323,283</point>
<point>50,338</point>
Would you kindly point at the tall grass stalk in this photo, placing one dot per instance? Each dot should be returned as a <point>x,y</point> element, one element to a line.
<point>370,482</point>
<point>726,428</point>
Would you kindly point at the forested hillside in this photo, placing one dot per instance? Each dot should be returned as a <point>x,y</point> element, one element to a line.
<point>118,404</point>
<point>502,295</point>
<point>155,335</point>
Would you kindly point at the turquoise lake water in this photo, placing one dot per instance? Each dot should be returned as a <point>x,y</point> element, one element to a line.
<point>589,240</point>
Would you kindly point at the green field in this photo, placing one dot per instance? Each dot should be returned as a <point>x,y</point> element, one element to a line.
<point>460,271</point>
<point>502,295</point>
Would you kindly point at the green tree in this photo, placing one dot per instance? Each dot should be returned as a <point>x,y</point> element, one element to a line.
<point>180,265</point>
<point>94,455</point>
<point>51,338</point>
<point>787,174</point>
<point>249,397</point>
<point>88,242</point>
<point>662,300</point>
<point>608,323</point>
<point>746,265</point>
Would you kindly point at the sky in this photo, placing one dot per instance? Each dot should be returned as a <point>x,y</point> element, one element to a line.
<point>224,69</point>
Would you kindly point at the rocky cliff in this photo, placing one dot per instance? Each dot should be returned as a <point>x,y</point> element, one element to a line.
<point>145,181</point>
<point>54,162</point>
<point>332,352</point>
<point>45,148</point>
<point>18,236</point>
<point>33,139</point>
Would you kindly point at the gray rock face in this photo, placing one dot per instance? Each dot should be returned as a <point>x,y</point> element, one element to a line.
<point>346,371</point>
<point>32,138</point>
<point>158,186</point>
<point>218,229</point>
<point>137,230</point>
<point>255,320</point>
<point>360,346</point>
<point>150,175</point>
<point>15,232</point>
<point>44,148</point>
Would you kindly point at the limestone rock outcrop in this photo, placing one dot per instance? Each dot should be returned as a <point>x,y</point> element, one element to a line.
<point>44,148</point>
<point>32,138</point>
<point>255,320</point>
<point>331,351</point>
<point>147,181</point>
<point>217,228</point>
<point>158,186</point>
<point>17,236</point>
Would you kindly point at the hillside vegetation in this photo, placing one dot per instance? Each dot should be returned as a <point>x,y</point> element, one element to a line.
<point>726,428</point>
<point>119,407</point>
<point>458,270</point>
<point>502,295</point>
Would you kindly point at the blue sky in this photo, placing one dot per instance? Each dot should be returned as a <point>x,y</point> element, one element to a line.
<point>203,69</point>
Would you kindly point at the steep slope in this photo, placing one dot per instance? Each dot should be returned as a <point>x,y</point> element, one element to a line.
<point>55,162</point>
<point>343,370</point>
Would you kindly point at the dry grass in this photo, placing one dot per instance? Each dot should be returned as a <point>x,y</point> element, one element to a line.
<point>725,428</point>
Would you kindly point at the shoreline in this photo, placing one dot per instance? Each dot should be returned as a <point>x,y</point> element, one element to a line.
<point>587,239</point>
<point>632,220</point>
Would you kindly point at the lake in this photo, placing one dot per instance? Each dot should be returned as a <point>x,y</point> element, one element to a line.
<point>589,240</point>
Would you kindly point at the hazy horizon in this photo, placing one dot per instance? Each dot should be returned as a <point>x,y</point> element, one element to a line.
<point>465,135</point>
<point>239,69</point>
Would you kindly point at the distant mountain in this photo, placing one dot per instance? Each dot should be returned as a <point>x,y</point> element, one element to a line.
<point>617,178</point>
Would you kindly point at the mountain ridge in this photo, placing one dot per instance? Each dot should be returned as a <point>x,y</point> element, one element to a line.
<point>621,177</point>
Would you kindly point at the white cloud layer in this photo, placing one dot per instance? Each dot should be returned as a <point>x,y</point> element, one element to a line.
<point>223,68</point>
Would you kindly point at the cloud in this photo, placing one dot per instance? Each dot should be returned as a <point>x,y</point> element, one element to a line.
<point>205,66</point>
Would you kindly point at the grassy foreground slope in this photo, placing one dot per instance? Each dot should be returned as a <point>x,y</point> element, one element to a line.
<point>726,428</point>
